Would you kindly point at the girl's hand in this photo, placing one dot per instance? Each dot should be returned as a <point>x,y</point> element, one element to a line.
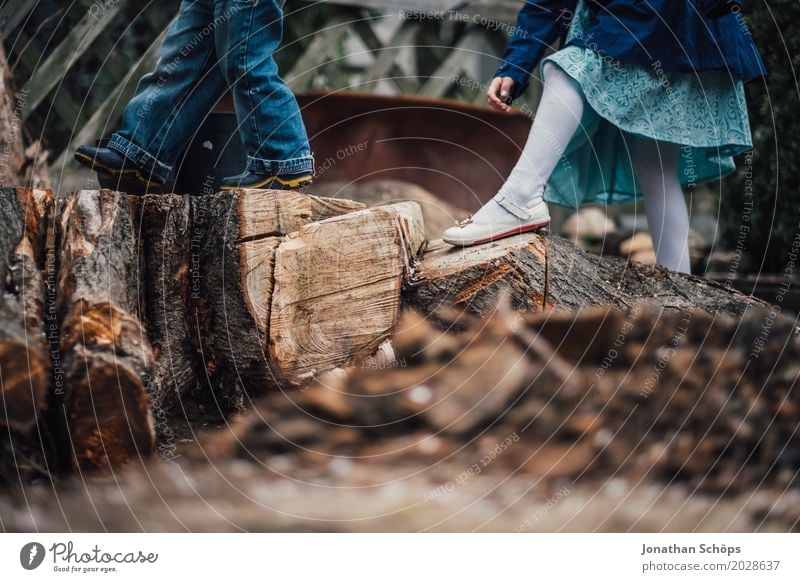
<point>500,93</point>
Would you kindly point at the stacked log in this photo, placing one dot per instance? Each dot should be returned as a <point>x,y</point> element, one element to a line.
<point>337,291</point>
<point>25,445</point>
<point>105,352</point>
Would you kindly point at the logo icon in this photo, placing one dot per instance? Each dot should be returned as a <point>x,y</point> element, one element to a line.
<point>31,555</point>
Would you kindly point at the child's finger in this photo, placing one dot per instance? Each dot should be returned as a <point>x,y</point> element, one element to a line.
<point>492,93</point>
<point>506,86</point>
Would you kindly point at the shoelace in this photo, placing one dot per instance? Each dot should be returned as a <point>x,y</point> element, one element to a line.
<point>464,222</point>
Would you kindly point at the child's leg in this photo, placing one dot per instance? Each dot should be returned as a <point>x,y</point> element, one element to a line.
<point>519,205</point>
<point>656,167</point>
<point>557,118</point>
<point>171,102</point>
<point>272,129</point>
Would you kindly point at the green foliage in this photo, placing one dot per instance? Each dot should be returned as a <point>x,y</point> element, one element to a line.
<point>761,203</point>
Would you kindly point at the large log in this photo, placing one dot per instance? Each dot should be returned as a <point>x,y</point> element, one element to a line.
<point>548,272</point>
<point>106,356</point>
<point>24,360</point>
<point>244,291</point>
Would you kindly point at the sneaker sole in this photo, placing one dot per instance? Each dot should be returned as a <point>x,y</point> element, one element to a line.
<point>290,184</point>
<point>499,235</point>
<point>96,166</point>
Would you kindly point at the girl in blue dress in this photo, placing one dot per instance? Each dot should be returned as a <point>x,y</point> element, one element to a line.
<point>643,98</point>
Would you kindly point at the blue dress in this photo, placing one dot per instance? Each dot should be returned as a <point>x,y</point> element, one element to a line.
<point>704,111</point>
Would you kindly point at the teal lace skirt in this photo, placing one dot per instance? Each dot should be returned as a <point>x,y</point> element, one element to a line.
<point>706,114</point>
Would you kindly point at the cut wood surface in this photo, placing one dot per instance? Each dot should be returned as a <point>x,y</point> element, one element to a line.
<point>337,289</point>
<point>437,214</point>
<point>104,348</point>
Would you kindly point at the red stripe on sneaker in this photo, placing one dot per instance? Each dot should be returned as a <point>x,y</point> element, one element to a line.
<point>511,232</point>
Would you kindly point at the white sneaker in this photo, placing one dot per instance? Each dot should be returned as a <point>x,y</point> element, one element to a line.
<point>494,222</point>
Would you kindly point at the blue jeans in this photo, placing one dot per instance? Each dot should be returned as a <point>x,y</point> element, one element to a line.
<point>213,45</point>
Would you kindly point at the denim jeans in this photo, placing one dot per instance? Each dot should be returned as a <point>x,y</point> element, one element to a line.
<point>213,45</point>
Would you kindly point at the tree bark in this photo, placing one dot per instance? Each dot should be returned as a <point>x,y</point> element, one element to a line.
<point>24,361</point>
<point>548,272</point>
<point>105,351</point>
<point>164,226</point>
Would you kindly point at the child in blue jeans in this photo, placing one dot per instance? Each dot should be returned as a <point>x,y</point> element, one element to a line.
<point>213,45</point>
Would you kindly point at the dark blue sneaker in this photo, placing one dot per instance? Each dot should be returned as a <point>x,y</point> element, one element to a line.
<point>251,180</point>
<point>110,162</point>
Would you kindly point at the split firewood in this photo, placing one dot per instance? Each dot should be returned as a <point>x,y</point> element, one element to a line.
<point>235,238</point>
<point>644,393</point>
<point>106,356</point>
<point>24,359</point>
<point>548,272</point>
<point>337,288</point>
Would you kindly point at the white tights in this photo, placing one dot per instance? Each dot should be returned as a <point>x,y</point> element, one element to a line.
<point>655,164</point>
